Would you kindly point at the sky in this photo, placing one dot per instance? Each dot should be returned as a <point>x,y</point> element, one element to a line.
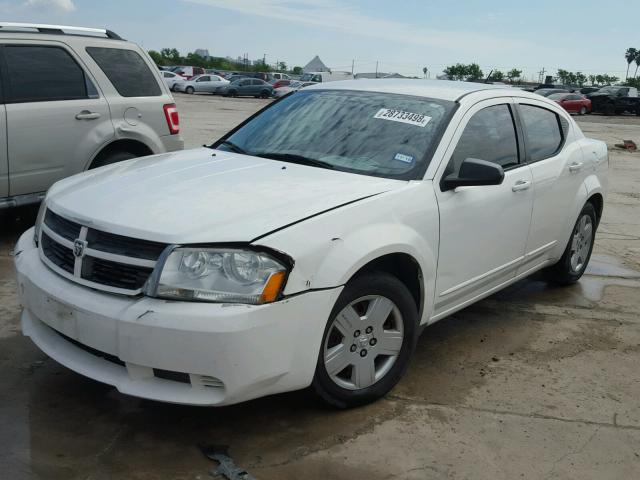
<point>401,36</point>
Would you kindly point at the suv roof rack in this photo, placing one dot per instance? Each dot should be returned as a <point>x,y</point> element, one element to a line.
<point>60,29</point>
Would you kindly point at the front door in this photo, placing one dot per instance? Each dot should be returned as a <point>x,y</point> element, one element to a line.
<point>55,117</point>
<point>483,229</point>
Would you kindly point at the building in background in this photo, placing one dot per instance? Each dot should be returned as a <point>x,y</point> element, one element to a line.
<point>202,52</point>
<point>315,65</point>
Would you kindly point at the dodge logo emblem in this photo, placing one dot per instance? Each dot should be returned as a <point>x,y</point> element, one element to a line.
<point>78,247</point>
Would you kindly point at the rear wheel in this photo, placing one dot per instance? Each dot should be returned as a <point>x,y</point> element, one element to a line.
<point>264,94</point>
<point>113,157</point>
<point>577,254</point>
<point>368,341</point>
<point>583,111</point>
<point>189,90</point>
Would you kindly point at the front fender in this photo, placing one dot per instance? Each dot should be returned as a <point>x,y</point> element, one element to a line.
<point>330,248</point>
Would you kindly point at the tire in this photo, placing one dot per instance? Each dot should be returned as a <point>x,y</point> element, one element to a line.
<point>173,87</point>
<point>189,90</point>
<point>583,111</point>
<point>113,157</point>
<point>577,254</point>
<point>264,94</point>
<point>357,343</point>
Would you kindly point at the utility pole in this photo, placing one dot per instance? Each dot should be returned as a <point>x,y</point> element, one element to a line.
<point>353,64</point>
<point>264,59</point>
<point>376,68</point>
<point>541,75</point>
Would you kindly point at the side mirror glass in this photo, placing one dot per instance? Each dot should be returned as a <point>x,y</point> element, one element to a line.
<point>474,172</point>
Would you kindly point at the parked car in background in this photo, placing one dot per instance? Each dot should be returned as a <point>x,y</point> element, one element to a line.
<point>587,90</point>
<point>292,87</point>
<point>188,72</point>
<point>279,76</point>
<point>235,76</point>
<point>319,77</point>
<point>202,84</point>
<point>280,83</point>
<point>171,79</point>
<point>615,99</point>
<point>311,245</point>
<point>572,102</point>
<point>74,99</point>
<point>545,92</point>
<point>247,87</point>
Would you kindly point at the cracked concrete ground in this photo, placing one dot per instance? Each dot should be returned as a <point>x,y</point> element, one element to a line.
<point>533,382</point>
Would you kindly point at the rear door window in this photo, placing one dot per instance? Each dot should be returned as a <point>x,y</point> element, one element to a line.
<point>543,130</point>
<point>43,73</point>
<point>127,71</point>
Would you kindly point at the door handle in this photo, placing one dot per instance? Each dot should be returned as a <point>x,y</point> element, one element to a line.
<point>520,185</point>
<point>575,167</point>
<point>87,115</point>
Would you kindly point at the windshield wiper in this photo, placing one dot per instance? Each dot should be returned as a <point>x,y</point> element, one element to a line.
<point>233,147</point>
<point>293,158</point>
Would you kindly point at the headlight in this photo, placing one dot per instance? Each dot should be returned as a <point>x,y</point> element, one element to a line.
<point>220,275</point>
<point>39,220</point>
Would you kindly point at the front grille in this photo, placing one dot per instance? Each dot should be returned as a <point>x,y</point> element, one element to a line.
<point>114,274</point>
<point>63,227</point>
<point>58,254</point>
<point>92,351</point>
<point>98,259</point>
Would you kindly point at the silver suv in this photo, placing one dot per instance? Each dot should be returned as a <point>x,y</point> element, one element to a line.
<point>73,99</point>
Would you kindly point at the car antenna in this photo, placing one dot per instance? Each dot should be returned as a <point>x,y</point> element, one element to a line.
<point>486,80</point>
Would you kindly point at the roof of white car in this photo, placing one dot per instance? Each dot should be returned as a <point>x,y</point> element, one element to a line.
<point>442,89</point>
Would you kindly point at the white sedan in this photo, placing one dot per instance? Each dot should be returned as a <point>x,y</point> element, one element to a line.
<point>171,79</point>
<point>310,245</point>
<point>206,83</point>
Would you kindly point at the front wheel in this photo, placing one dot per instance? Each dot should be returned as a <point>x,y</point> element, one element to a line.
<point>368,341</point>
<point>577,254</point>
<point>583,111</point>
<point>189,90</point>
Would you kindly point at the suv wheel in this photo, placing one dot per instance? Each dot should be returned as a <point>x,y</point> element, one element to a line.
<point>368,341</point>
<point>576,255</point>
<point>189,90</point>
<point>113,157</point>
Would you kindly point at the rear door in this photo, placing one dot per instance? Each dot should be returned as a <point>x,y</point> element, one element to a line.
<point>55,117</point>
<point>558,171</point>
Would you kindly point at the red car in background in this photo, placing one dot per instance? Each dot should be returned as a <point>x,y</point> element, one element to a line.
<point>281,83</point>
<point>572,102</point>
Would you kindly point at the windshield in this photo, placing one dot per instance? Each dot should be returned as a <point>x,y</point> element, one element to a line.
<point>609,90</point>
<point>378,134</point>
<point>306,77</point>
<point>557,96</point>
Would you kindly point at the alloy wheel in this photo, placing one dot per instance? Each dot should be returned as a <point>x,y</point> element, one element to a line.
<point>363,342</point>
<point>581,243</point>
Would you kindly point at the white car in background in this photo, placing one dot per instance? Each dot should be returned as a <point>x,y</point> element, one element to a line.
<point>292,87</point>
<point>171,79</point>
<point>310,245</point>
<point>207,83</point>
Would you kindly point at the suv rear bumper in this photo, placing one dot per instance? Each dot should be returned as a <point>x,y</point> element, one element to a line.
<point>179,352</point>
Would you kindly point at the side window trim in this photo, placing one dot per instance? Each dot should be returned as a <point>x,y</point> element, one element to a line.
<point>563,134</point>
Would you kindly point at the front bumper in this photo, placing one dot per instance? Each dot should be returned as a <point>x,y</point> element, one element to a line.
<point>180,352</point>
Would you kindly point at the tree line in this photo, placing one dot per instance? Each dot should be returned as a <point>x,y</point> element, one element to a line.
<point>171,56</point>
<point>578,78</point>
<point>472,72</point>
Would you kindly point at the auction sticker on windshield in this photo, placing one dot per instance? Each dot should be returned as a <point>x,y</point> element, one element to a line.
<point>416,119</point>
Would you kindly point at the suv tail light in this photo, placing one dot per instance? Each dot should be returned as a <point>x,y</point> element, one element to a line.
<point>173,120</point>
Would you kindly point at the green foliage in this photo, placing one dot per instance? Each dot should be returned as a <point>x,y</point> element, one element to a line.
<point>633,82</point>
<point>460,71</point>
<point>297,70</point>
<point>497,76</point>
<point>282,66</point>
<point>578,78</point>
<point>514,74</point>
<point>171,56</point>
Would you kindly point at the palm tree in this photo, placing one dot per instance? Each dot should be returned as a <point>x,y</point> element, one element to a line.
<point>630,55</point>
<point>637,60</point>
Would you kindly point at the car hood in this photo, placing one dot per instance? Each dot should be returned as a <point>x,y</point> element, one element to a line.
<point>204,195</point>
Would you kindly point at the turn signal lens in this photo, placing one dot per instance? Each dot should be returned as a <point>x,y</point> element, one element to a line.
<point>272,288</point>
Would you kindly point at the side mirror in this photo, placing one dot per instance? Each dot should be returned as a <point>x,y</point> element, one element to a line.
<point>474,172</point>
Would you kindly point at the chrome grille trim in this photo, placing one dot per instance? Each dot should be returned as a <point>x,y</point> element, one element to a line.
<point>118,271</point>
